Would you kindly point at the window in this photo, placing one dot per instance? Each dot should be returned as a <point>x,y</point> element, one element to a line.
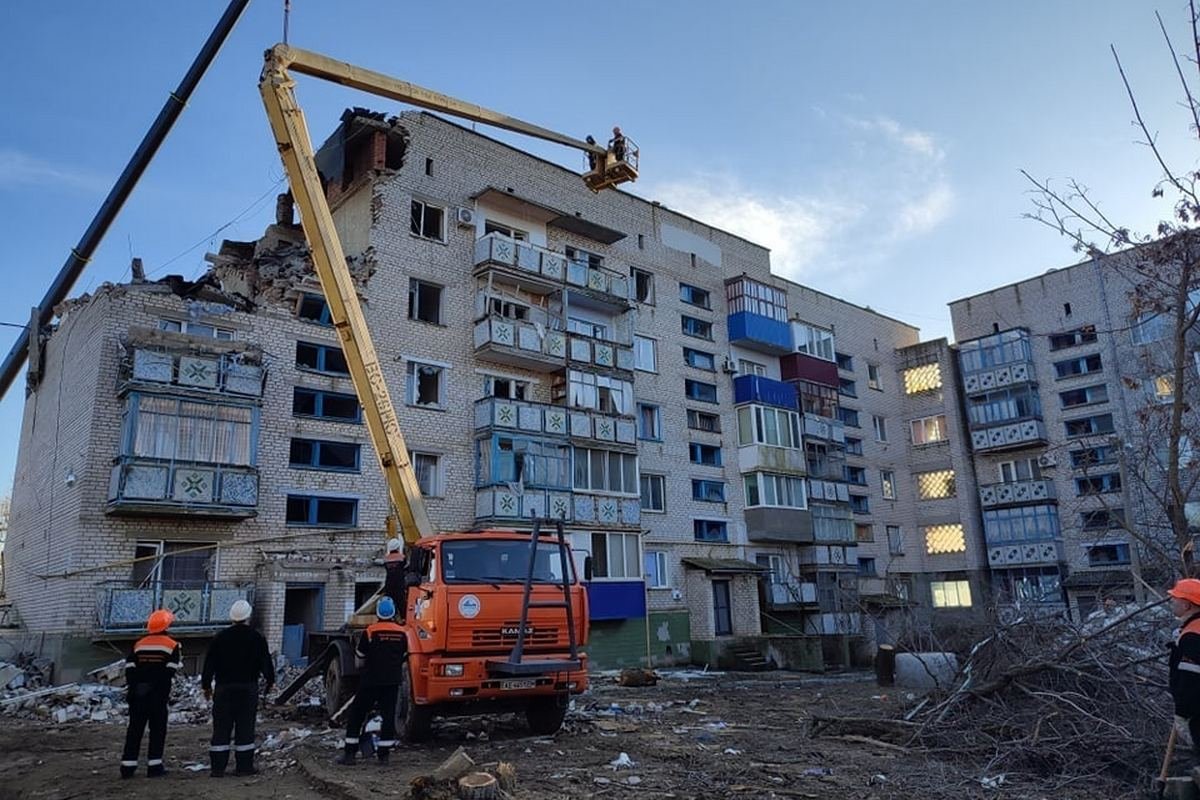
<point>895,540</point>
<point>860,504</point>
<point>699,359</point>
<point>848,416</point>
<point>599,393</point>
<point>176,564</point>
<point>425,301</point>
<point>853,446</point>
<point>505,388</point>
<point>645,354</point>
<point>312,307</point>
<point>1091,456</point>
<point>1098,484</point>
<point>880,424</point>
<point>708,491</point>
<point>925,378</point>
<point>706,454</point>
<point>1164,388</point>
<point>847,387</point>
<point>643,285</point>
<point>864,532</point>
<point>426,385</point>
<point>517,235</point>
<point>702,421</point>
<point>1021,524</point>
<point>1102,518</point>
<point>587,259</point>
<point>1084,396</point>
<point>428,221</point>
<point>1061,341</point>
<point>605,471</point>
<point>945,539</point>
<point>508,309</point>
<point>1004,405</point>
<point>1107,555</point>
<point>832,524</point>
<point>327,405</point>
<point>777,427</point>
<point>321,454</point>
<point>866,568</point>
<point>695,296</point>
<point>710,530</point>
<point>929,430</point>
<point>989,352</point>
<point>331,512</point>
<point>695,327</point>
<point>1085,365</point>
<point>951,594</point>
<point>1021,469</point>
<point>428,467</point>
<point>753,297</point>
<point>195,329</point>
<point>1089,426</point>
<point>615,555</point>
<point>532,462</point>
<point>1150,327</point>
<point>855,475</point>
<point>844,361</point>
<point>649,422</point>
<point>321,358</point>
<point>654,566</point>
<point>935,485</point>
<point>175,429</point>
<point>586,327</point>
<point>818,399</point>
<point>887,484</point>
<point>748,367</point>
<point>654,493</point>
<point>874,381</point>
<point>779,491</point>
<point>698,390</point>
<point>813,341</point>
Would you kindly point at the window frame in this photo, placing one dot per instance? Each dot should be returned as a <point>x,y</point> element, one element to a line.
<point>693,418</point>
<point>702,486</point>
<point>687,294</point>
<point>880,425</point>
<point>638,342</point>
<point>412,385</point>
<point>944,589</point>
<point>438,484</point>
<point>656,434</point>
<point>637,272</point>
<point>414,301</point>
<point>417,225</point>
<point>314,462</point>
<point>791,487</point>
<point>689,385</point>
<point>605,462</point>
<point>701,448</point>
<point>689,352</point>
<point>319,396</point>
<point>601,565</point>
<point>650,478</point>
<point>887,484</point>
<point>704,524</point>
<point>323,351</point>
<point>659,571</point>
<point>313,513</point>
<point>690,325</point>
<point>874,377</point>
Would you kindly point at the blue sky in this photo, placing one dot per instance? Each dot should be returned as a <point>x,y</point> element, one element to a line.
<point>874,147</point>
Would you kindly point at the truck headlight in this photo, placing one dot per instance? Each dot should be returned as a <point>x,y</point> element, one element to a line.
<point>452,670</point>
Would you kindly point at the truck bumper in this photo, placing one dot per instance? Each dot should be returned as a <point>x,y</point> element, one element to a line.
<point>442,685</point>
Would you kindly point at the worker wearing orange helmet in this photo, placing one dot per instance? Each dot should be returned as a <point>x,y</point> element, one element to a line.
<point>152,663</point>
<point>1185,660</point>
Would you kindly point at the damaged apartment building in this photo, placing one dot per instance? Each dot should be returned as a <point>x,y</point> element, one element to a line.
<point>731,449</point>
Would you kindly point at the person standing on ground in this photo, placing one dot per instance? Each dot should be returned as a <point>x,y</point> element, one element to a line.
<point>1184,677</point>
<point>236,659</point>
<point>393,574</point>
<point>152,663</point>
<point>382,649</point>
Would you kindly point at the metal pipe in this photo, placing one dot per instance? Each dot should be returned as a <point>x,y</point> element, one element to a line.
<point>82,252</point>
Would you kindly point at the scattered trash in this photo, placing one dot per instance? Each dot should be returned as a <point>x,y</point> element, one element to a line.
<point>195,767</point>
<point>732,751</point>
<point>994,782</point>
<point>601,781</point>
<point>816,772</point>
<point>638,677</point>
<point>623,761</point>
<point>633,780</point>
<point>877,779</point>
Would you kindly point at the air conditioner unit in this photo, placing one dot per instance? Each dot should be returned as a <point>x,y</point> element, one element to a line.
<point>465,217</point>
<point>1046,461</point>
<point>729,366</point>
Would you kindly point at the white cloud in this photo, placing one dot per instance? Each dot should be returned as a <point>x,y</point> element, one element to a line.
<point>925,213</point>
<point>18,168</point>
<point>911,139</point>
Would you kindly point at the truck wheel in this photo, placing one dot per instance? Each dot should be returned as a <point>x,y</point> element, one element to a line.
<point>545,714</point>
<point>337,687</point>
<point>414,723</point>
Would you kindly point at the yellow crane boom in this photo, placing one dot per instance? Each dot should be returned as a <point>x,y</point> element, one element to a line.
<point>611,166</point>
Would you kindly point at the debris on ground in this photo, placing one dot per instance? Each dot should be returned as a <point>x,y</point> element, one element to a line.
<point>637,677</point>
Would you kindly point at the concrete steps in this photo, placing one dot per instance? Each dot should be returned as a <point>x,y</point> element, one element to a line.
<point>748,659</point>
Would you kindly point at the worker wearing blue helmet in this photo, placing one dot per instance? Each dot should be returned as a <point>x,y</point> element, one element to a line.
<point>382,650</point>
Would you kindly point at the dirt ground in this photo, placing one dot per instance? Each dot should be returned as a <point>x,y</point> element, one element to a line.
<point>724,735</point>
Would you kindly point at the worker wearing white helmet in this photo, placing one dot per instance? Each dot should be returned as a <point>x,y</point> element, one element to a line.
<point>393,568</point>
<point>236,659</point>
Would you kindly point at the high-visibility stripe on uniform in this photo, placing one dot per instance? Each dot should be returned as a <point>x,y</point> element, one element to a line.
<point>219,748</point>
<point>387,742</point>
<point>129,763</point>
<point>242,748</point>
<point>174,665</point>
<point>1188,666</point>
<point>351,740</point>
<point>153,648</point>
<point>154,762</point>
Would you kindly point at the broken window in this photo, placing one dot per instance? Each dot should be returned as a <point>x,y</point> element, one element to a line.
<point>321,454</point>
<point>321,358</point>
<point>332,512</point>
<point>643,285</point>
<point>508,309</point>
<point>425,385</point>
<point>505,388</point>
<point>328,405</point>
<point>178,565</point>
<point>590,260</point>
<point>424,301</point>
<point>195,329</point>
<point>428,221</point>
<point>313,308</point>
<point>515,234</point>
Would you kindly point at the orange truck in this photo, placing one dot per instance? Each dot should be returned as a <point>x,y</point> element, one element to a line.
<point>495,619</point>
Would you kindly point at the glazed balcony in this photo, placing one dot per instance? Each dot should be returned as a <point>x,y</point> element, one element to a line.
<point>1024,554</point>
<point>824,428</point>
<point>996,361</point>
<point>779,525</point>
<point>201,606</point>
<point>606,354</point>
<point>789,592</point>
<point>768,458</point>
<point>536,269</point>
<point>993,495</point>
<point>146,486</point>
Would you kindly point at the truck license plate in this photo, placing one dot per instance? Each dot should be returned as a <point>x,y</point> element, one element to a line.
<point>508,685</point>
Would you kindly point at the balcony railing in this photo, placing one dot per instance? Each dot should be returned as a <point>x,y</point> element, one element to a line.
<point>831,430</point>
<point>759,333</point>
<point>152,486</point>
<point>550,270</point>
<point>1009,436</point>
<point>520,344</point>
<point>779,525</point>
<point>829,491</point>
<point>787,591</point>
<point>766,458</point>
<point>998,377</point>
<point>1024,554</point>
<point>529,417</point>
<point>508,504</point>
<point>228,373</point>
<point>122,607</point>
<point>1016,493</point>
<point>599,352</point>
<point>757,389</point>
<point>608,510</point>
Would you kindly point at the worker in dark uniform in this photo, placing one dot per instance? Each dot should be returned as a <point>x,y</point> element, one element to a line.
<point>1184,676</point>
<point>237,658</point>
<point>617,144</point>
<point>152,663</point>
<point>382,649</point>
<point>393,574</point>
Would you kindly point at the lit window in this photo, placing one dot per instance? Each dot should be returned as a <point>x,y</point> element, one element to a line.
<point>951,594</point>
<point>426,385</point>
<point>887,481</point>
<point>925,378</point>
<point>941,539</point>
<point>1164,388</point>
<point>935,485</point>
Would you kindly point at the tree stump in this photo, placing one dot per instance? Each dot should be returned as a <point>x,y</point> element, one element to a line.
<point>478,786</point>
<point>455,766</point>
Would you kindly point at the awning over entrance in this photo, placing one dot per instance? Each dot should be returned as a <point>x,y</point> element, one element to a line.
<point>724,566</point>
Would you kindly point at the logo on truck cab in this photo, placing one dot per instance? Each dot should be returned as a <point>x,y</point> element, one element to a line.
<point>513,630</point>
<point>468,606</point>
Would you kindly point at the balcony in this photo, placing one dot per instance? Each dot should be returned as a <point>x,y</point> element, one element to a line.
<point>603,353</point>
<point>544,419</point>
<point>828,491</point>
<point>992,495</point>
<point>536,269</point>
<point>995,361</point>
<point>598,288</point>
<point>503,504</point>
<point>1024,554</point>
<point>780,525</point>
<point>830,430</point>
<point>759,333</point>
<point>145,486</point>
<point>789,592</point>
<point>521,344</point>
<point>767,458</point>
<point>608,510</point>
<point>757,389</point>
<point>803,367</point>
<point>1011,436</point>
<point>226,374</point>
<point>122,608</point>
<point>827,557</point>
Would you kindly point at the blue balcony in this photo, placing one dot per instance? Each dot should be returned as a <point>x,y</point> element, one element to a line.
<point>757,389</point>
<point>759,333</point>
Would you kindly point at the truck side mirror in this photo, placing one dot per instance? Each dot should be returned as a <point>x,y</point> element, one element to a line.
<point>587,568</point>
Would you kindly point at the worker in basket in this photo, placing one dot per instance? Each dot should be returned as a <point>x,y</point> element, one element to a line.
<point>149,669</point>
<point>1184,678</point>
<point>236,659</point>
<point>382,650</point>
